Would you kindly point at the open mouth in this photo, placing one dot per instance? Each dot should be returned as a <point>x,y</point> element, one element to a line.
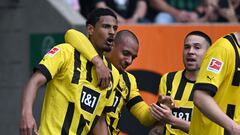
<point>109,41</point>
<point>191,60</point>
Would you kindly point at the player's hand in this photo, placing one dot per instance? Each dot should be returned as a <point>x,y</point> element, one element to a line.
<point>235,130</point>
<point>28,125</point>
<point>161,113</point>
<point>167,100</point>
<point>103,73</point>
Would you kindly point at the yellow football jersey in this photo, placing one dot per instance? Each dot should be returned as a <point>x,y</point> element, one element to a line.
<point>73,102</point>
<point>220,75</point>
<point>127,94</point>
<point>176,85</point>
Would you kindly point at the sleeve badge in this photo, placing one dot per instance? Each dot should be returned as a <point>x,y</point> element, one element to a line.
<point>53,51</point>
<point>215,65</point>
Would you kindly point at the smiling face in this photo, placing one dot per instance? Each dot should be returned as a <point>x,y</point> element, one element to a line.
<point>123,52</point>
<point>102,34</point>
<point>193,52</point>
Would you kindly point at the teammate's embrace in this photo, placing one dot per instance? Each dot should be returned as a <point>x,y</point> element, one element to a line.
<point>73,102</point>
<point>124,51</point>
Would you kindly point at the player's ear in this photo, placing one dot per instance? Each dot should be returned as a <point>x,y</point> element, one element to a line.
<point>90,29</point>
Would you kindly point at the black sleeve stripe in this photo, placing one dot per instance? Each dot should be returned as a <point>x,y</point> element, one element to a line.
<point>43,69</point>
<point>206,87</point>
<point>133,101</point>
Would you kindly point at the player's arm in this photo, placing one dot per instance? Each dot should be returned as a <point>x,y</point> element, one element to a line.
<point>79,41</point>
<point>137,106</point>
<point>164,114</point>
<point>101,127</point>
<point>206,88</point>
<point>27,122</point>
<point>206,104</point>
<point>142,113</point>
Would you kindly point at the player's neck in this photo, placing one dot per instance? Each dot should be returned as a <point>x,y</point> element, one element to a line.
<point>191,75</point>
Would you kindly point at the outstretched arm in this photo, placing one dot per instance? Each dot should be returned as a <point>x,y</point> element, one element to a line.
<point>142,113</point>
<point>206,104</point>
<point>79,41</point>
<point>27,122</point>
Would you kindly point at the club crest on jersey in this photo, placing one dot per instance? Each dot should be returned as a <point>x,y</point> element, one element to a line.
<point>53,51</point>
<point>215,65</point>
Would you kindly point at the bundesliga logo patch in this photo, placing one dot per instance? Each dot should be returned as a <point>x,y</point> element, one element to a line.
<point>53,51</point>
<point>215,65</point>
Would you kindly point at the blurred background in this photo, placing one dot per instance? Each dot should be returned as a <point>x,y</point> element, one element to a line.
<point>29,28</point>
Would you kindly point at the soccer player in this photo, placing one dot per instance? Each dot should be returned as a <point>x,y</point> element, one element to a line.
<point>179,86</point>
<point>124,51</point>
<point>217,90</point>
<point>73,102</point>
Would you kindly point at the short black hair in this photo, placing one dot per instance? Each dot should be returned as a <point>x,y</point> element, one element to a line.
<point>201,34</point>
<point>94,16</point>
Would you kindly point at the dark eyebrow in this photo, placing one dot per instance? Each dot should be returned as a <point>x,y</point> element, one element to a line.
<point>196,44</point>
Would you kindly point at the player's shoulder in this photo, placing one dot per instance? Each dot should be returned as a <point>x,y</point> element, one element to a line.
<point>221,47</point>
<point>221,44</point>
<point>60,50</point>
<point>64,47</point>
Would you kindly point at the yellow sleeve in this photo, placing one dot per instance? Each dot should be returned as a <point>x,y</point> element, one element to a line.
<point>140,110</point>
<point>54,61</point>
<point>79,41</point>
<point>142,113</point>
